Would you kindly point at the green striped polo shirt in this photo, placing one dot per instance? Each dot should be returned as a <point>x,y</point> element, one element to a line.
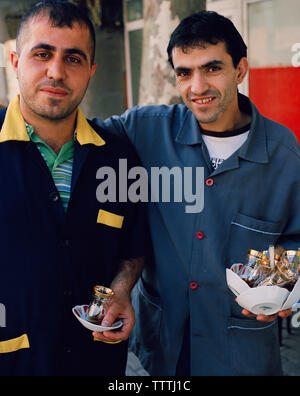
<point>60,165</point>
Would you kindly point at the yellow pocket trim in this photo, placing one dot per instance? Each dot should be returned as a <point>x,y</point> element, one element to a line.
<point>110,219</point>
<point>15,344</point>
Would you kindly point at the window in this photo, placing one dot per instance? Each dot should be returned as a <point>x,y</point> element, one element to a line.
<point>134,23</point>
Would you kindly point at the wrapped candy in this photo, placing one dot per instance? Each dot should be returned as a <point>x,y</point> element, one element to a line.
<point>251,281</point>
<point>252,270</point>
<point>274,267</point>
<point>286,271</point>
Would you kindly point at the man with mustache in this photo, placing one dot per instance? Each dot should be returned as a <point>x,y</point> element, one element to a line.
<point>188,322</point>
<point>57,240</point>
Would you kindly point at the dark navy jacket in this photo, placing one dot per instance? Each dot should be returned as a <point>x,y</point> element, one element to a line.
<point>50,260</point>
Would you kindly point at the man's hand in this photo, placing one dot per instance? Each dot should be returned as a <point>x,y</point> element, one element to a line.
<point>270,318</point>
<point>119,308</point>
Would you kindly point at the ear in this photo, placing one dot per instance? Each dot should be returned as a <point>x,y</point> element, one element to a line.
<point>242,69</point>
<point>14,59</point>
<point>93,69</point>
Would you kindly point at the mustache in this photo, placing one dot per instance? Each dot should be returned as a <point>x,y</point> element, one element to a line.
<point>54,84</point>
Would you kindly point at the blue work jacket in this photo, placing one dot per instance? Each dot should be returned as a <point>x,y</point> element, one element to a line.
<point>252,200</point>
<point>51,260</point>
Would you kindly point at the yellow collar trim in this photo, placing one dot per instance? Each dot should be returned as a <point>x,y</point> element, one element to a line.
<point>14,127</point>
<point>85,133</point>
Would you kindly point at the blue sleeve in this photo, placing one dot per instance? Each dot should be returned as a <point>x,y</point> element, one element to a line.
<point>135,241</point>
<point>123,126</point>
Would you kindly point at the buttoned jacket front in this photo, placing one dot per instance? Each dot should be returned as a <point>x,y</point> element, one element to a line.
<point>252,200</point>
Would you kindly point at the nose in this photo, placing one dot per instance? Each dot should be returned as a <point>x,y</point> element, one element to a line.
<point>56,69</point>
<point>199,84</point>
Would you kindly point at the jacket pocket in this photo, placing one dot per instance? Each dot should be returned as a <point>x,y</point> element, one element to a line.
<point>148,314</point>
<point>110,219</point>
<point>14,344</point>
<point>250,233</point>
<point>254,347</point>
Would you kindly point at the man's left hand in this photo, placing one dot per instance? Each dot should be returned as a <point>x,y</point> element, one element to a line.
<point>265,318</point>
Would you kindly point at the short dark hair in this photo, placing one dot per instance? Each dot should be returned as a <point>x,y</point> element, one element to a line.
<point>207,27</point>
<point>61,14</point>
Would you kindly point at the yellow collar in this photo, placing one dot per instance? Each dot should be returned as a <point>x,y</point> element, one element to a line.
<point>14,127</point>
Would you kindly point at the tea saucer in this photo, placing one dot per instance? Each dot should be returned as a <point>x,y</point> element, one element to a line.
<point>80,313</point>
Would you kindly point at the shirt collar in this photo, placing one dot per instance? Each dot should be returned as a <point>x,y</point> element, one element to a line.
<point>14,127</point>
<point>36,139</point>
<point>255,147</point>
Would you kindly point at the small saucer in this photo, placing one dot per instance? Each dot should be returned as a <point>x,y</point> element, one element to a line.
<point>80,313</point>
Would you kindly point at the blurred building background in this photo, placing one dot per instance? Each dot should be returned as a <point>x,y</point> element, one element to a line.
<point>132,37</point>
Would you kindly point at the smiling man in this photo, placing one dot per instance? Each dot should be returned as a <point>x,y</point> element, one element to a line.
<point>188,322</point>
<point>207,82</point>
<point>57,240</point>
<point>54,68</point>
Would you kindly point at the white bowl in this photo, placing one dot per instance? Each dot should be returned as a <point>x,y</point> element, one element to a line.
<point>263,300</point>
<point>80,313</point>
<point>235,283</point>
<point>294,297</point>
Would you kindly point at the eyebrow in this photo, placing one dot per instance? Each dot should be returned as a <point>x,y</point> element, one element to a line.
<point>205,66</point>
<point>49,47</point>
<point>212,63</point>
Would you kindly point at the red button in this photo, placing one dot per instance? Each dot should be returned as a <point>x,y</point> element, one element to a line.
<point>210,182</point>
<point>200,235</point>
<point>193,285</point>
